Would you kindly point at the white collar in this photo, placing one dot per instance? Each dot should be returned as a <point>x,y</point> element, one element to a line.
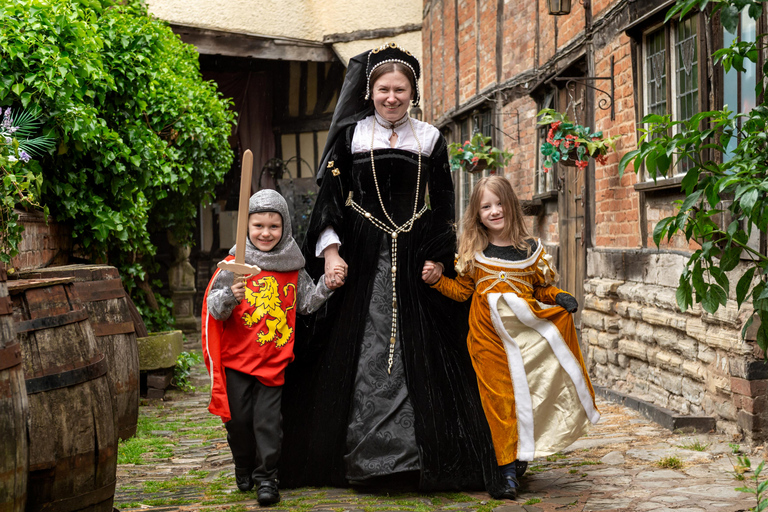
<point>386,124</point>
<point>530,260</point>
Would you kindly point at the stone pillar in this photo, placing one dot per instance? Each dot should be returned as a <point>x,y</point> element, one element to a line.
<point>181,281</point>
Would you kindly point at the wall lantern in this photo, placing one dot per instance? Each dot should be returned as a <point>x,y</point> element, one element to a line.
<point>559,7</point>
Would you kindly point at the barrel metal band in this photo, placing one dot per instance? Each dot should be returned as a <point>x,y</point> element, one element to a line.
<point>10,356</point>
<point>68,378</point>
<point>6,305</point>
<point>109,329</point>
<point>49,322</point>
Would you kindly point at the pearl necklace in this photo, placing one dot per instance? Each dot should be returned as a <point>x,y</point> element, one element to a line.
<point>393,233</point>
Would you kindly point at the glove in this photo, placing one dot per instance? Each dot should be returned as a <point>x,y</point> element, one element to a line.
<point>567,301</point>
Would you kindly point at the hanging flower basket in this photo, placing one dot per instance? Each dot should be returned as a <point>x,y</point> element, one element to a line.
<point>477,155</point>
<point>572,144</point>
<point>480,166</point>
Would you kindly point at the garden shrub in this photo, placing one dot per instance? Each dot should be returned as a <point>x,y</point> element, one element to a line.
<point>142,139</point>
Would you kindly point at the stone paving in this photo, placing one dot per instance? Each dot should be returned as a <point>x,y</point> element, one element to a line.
<point>625,463</point>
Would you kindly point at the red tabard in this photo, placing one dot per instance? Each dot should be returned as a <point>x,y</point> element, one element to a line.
<point>256,339</point>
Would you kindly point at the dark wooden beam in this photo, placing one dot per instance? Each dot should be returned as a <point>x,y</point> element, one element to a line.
<point>216,42</point>
<point>379,33</point>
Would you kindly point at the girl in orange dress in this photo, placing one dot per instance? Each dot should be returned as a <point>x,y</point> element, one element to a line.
<point>534,387</point>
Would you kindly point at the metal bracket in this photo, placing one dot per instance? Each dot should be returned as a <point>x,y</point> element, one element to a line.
<point>604,103</point>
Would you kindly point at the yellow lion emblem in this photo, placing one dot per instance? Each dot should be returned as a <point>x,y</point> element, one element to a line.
<point>267,302</point>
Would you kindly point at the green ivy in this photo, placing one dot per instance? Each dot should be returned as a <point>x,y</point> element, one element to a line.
<point>736,189</point>
<point>142,138</point>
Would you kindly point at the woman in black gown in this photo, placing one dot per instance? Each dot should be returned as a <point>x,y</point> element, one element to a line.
<point>382,391</point>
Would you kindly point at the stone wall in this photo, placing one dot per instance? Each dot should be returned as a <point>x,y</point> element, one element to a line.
<point>640,343</point>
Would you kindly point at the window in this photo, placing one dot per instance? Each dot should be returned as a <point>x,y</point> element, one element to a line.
<point>463,181</point>
<point>544,181</point>
<point>672,74</point>
<point>739,87</point>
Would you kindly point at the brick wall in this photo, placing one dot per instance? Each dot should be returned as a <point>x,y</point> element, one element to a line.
<point>637,339</point>
<point>43,243</point>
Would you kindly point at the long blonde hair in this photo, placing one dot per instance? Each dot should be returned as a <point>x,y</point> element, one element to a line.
<point>473,235</point>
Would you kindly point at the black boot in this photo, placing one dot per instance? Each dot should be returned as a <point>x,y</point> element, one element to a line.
<point>243,479</point>
<point>268,493</point>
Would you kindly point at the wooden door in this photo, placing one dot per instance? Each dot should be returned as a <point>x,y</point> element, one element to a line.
<point>571,201</point>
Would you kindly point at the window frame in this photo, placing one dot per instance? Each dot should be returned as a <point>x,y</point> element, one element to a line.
<point>673,68</point>
<point>465,126</point>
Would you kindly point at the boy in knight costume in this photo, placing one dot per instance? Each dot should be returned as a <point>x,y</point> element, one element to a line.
<point>248,333</point>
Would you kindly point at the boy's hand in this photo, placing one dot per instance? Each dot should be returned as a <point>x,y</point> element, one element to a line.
<point>238,288</point>
<point>431,272</point>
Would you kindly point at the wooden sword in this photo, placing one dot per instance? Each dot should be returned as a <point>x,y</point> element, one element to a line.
<point>239,267</point>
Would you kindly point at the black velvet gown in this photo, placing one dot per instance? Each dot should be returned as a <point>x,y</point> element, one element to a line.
<point>340,363</point>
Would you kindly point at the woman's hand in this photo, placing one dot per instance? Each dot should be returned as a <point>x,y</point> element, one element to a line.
<point>335,267</point>
<point>431,272</point>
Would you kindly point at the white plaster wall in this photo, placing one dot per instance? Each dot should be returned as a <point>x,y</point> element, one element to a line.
<point>295,19</point>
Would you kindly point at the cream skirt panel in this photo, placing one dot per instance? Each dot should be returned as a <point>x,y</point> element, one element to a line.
<point>553,403</point>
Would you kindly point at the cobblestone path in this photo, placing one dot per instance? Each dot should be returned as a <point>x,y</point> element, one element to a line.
<point>180,460</point>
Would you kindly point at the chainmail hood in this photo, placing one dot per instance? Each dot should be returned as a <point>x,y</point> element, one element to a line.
<point>286,255</point>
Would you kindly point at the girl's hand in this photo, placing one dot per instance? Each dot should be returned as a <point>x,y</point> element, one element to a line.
<point>567,301</point>
<point>238,288</point>
<point>334,266</point>
<point>431,272</point>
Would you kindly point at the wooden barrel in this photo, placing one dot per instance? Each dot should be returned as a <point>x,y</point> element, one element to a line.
<point>14,411</point>
<point>72,441</point>
<point>100,289</point>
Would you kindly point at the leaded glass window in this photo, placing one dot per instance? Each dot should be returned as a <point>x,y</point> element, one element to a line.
<point>656,72</point>
<point>677,97</point>
<point>739,87</point>
<point>686,71</point>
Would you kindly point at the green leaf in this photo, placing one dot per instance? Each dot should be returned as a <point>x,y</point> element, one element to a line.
<point>691,200</point>
<point>731,258</point>
<point>628,156</point>
<point>684,295</point>
<point>729,17</point>
<point>749,199</point>
<point>661,229</point>
<point>742,287</point>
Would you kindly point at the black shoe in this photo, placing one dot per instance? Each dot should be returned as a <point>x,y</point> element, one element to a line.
<point>243,479</point>
<point>268,493</point>
<point>510,492</point>
<point>520,467</point>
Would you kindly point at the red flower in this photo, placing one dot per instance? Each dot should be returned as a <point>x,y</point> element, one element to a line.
<point>556,124</point>
<point>475,159</point>
<point>582,164</point>
<point>556,143</point>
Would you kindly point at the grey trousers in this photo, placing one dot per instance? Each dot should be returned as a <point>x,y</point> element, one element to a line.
<point>255,432</point>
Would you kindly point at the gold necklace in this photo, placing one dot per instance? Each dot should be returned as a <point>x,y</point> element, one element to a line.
<point>404,228</point>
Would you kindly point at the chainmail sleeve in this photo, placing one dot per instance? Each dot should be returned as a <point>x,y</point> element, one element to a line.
<point>310,295</point>
<point>221,300</point>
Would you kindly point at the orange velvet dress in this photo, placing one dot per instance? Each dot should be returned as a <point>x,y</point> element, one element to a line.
<point>534,387</point>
